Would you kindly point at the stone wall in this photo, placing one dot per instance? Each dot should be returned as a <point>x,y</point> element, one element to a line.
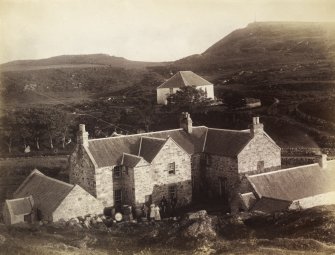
<point>82,170</point>
<point>322,199</point>
<point>259,149</point>
<point>104,185</point>
<point>155,179</point>
<point>77,203</point>
<point>222,177</point>
<point>198,175</point>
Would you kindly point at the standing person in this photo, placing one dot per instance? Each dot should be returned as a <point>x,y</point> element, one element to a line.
<point>152,212</point>
<point>157,214</point>
<point>163,205</point>
<point>173,205</point>
<point>145,210</point>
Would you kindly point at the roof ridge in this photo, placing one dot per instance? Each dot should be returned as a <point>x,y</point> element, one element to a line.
<point>141,134</point>
<point>283,170</point>
<point>153,138</point>
<point>231,130</point>
<point>182,77</point>
<point>58,181</point>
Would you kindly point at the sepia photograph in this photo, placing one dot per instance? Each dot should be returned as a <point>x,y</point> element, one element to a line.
<point>147,127</point>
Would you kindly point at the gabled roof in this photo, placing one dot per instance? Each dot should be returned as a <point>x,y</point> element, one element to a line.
<point>184,78</point>
<point>270,205</point>
<point>109,151</point>
<point>47,192</point>
<point>295,183</point>
<point>226,142</point>
<point>130,160</point>
<point>150,146</point>
<point>20,206</point>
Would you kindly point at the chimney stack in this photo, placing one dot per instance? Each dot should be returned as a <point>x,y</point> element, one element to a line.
<point>257,127</point>
<point>185,122</point>
<point>82,136</point>
<point>323,161</point>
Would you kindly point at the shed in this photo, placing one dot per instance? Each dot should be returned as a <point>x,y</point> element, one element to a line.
<point>55,200</point>
<point>18,210</point>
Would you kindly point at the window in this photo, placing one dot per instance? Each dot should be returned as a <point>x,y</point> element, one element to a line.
<point>126,170</point>
<point>172,191</point>
<point>117,196</point>
<point>117,171</point>
<point>172,168</point>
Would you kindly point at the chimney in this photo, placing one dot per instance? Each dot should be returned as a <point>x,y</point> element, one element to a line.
<point>256,127</point>
<point>82,136</point>
<point>323,161</point>
<point>185,122</point>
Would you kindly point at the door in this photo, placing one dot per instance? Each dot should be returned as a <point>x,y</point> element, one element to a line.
<point>223,189</point>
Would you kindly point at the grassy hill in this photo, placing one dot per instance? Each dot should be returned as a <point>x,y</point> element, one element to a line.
<point>76,61</point>
<point>299,50</point>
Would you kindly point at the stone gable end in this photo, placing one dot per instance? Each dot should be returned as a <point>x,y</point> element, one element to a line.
<point>154,180</point>
<point>82,170</point>
<point>77,203</point>
<point>259,154</point>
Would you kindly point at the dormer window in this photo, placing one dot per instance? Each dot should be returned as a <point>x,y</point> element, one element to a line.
<point>117,171</point>
<point>172,168</point>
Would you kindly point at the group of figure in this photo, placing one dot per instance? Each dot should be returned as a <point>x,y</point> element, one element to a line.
<point>165,208</point>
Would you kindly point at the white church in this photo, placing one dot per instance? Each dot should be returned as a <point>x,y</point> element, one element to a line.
<point>182,79</point>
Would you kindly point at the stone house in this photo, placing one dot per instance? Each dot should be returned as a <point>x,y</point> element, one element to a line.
<point>185,162</point>
<point>292,188</point>
<point>182,79</point>
<point>18,210</point>
<point>55,200</point>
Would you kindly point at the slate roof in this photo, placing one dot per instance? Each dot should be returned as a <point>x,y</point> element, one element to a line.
<point>130,160</point>
<point>20,206</point>
<point>270,205</point>
<point>109,151</point>
<point>150,146</point>
<point>295,183</point>
<point>184,78</point>
<point>226,142</point>
<point>47,192</point>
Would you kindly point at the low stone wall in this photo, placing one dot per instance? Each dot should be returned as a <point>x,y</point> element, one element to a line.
<point>297,161</point>
<point>302,151</point>
<point>314,120</point>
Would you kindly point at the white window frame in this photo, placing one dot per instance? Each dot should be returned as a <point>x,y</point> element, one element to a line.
<point>172,168</point>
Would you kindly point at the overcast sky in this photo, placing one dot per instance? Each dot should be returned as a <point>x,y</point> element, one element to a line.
<point>148,30</point>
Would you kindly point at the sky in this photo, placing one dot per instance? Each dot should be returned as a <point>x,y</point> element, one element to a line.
<point>145,30</point>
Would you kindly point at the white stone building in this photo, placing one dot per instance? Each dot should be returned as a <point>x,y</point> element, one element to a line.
<point>182,79</point>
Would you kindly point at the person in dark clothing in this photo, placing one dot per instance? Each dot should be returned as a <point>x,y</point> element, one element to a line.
<point>163,206</point>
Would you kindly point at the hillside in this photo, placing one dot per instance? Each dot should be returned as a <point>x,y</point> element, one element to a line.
<point>298,51</point>
<point>76,61</point>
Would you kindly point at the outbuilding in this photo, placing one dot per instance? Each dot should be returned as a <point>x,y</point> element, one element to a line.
<point>55,200</point>
<point>18,210</point>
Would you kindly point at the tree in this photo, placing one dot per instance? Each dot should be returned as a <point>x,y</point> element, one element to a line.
<point>55,123</point>
<point>188,99</point>
<point>233,99</point>
<point>8,129</point>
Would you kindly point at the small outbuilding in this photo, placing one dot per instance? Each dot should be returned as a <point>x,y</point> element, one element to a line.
<point>299,187</point>
<point>55,200</point>
<point>183,79</point>
<point>18,210</point>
